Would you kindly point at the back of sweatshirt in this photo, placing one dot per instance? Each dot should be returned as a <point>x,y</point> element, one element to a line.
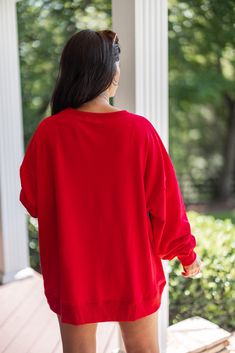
<point>109,208</point>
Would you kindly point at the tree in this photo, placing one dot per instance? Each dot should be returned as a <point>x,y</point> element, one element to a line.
<point>202,87</point>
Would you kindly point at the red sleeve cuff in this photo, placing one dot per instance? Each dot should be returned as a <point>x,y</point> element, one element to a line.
<point>187,260</point>
<point>32,210</point>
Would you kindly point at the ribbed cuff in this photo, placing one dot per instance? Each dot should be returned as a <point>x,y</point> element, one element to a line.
<point>187,260</point>
<point>32,210</point>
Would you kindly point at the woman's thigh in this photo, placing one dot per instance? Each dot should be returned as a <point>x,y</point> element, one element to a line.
<point>78,338</point>
<point>141,335</point>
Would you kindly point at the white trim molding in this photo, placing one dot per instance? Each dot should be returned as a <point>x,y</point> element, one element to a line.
<point>14,254</point>
<point>142,28</point>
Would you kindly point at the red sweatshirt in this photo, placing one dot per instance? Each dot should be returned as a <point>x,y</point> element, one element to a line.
<point>109,208</point>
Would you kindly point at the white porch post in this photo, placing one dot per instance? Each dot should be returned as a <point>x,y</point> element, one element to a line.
<point>142,27</point>
<point>13,228</point>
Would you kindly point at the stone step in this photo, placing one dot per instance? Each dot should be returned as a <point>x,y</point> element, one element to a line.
<point>197,335</point>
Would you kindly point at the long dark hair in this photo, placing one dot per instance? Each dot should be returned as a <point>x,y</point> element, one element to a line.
<point>86,69</point>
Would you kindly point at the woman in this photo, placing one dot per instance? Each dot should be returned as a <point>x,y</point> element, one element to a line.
<point>108,203</point>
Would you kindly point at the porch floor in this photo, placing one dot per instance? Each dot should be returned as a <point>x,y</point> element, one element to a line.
<point>26,322</point>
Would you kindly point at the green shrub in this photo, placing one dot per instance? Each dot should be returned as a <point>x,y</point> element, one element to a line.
<point>34,244</point>
<point>211,295</point>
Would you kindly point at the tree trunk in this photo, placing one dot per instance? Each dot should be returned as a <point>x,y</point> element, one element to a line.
<point>227,176</point>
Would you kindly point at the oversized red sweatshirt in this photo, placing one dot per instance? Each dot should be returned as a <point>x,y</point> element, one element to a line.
<point>109,208</point>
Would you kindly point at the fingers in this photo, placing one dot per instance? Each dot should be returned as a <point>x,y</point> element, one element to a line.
<point>193,269</point>
<point>191,272</point>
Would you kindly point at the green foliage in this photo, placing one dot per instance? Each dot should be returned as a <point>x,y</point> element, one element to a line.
<point>225,214</point>
<point>201,73</point>
<point>212,294</point>
<point>43,29</point>
<point>33,243</point>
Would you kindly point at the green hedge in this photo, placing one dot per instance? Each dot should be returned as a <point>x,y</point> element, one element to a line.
<point>212,294</point>
<point>33,244</point>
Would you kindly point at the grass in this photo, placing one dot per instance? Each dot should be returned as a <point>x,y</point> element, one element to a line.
<point>226,214</point>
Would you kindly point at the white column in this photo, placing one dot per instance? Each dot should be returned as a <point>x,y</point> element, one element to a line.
<point>13,227</point>
<point>142,27</point>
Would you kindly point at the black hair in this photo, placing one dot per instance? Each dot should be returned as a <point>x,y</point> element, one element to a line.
<point>86,69</point>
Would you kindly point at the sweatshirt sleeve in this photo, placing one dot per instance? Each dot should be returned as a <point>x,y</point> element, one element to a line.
<point>171,231</point>
<point>28,180</point>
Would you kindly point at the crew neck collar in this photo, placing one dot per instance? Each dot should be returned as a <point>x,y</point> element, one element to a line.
<point>96,114</point>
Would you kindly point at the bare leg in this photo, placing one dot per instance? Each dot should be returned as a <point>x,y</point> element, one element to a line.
<point>140,336</point>
<point>78,338</point>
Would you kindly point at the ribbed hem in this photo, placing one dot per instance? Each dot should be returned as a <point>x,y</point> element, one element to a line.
<point>105,311</point>
<point>188,259</point>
